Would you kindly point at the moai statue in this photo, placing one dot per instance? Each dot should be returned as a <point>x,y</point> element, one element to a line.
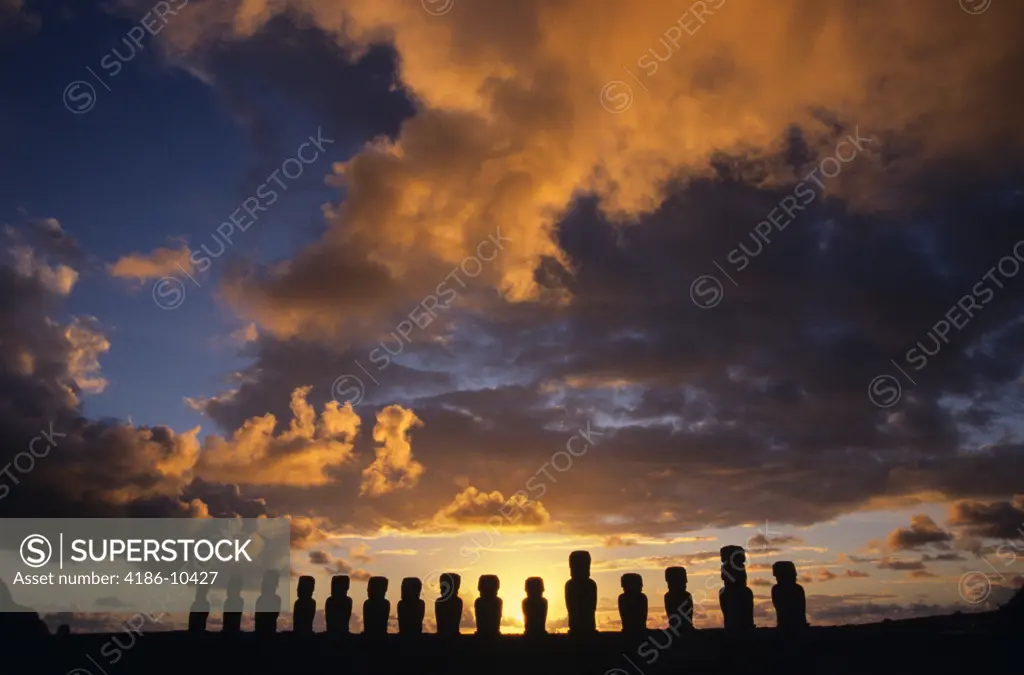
<point>304,610</point>
<point>199,612</point>
<point>448,606</point>
<point>410,608</point>
<point>338,608</point>
<point>788,597</point>
<point>268,604</point>
<point>233,606</point>
<point>377,608</point>
<point>633,604</point>
<point>581,595</point>
<point>488,606</point>
<point>735,599</point>
<point>535,607</point>
<point>678,601</point>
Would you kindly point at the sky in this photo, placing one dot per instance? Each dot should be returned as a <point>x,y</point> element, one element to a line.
<point>466,285</point>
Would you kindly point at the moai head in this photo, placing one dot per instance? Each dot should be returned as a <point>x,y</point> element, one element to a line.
<point>488,586</point>
<point>201,592</point>
<point>377,588</point>
<point>305,587</point>
<point>675,577</point>
<point>784,572</point>
<point>340,584</point>
<point>411,587</point>
<point>450,585</point>
<point>534,587</point>
<point>579,564</point>
<point>632,583</point>
<point>235,586</point>
<point>733,557</point>
<point>270,581</point>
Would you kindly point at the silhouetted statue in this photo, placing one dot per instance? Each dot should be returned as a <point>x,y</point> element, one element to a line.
<point>16,621</point>
<point>304,610</point>
<point>233,606</point>
<point>268,604</point>
<point>448,607</point>
<point>377,608</point>
<point>581,595</point>
<point>410,608</point>
<point>338,608</point>
<point>199,612</point>
<point>678,601</point>
<point>788,597</point>
<point>488,606</point>
<point>735,598</point>
<point>633,604</point>
<point>535,607</point>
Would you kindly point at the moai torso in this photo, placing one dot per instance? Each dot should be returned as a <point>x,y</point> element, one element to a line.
<point>338,608</point>
<point>199,612</point>
<point>488,606</point>
<point>535,607</point>
<point>678,601</point>
<point>633,604</point>
<point>411,608</point>
<point>268,605</point>
<point>304,610</point>
<point>737,603</point>
<point>376,609</point>
<point>581,595</point>
<point>233,606</point>
<point>448,607</point>
<point>735,599</point>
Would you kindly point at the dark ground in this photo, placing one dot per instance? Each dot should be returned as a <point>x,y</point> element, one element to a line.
<point>982,643</point>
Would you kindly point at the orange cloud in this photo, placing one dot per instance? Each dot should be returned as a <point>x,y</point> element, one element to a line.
<point>922,531</point>
<point>523,104</point>
<point>473,507</point>
<point>298,457</point>
<point>160,263</point>
<point>394,468</point>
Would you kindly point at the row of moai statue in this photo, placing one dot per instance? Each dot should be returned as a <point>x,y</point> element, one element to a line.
<point>735,599</point>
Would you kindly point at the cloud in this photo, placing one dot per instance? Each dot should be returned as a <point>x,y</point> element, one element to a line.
<point>160,263</point>
<point>335,565</point>
<point>360,553</point>
<point>900,565</point>
<point>615,541</point>
<point>855,574</point>
<point>302,455</point>
<point>307,531</point>
<point>759,540</point>
<point>87,344</point>
<point>476,151</point>
<point>996,520</point>
<point>59,279</point>
<point>473,507</point>
<point>246,334</point>
<point>923,531</point>
<point>394,468</point>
